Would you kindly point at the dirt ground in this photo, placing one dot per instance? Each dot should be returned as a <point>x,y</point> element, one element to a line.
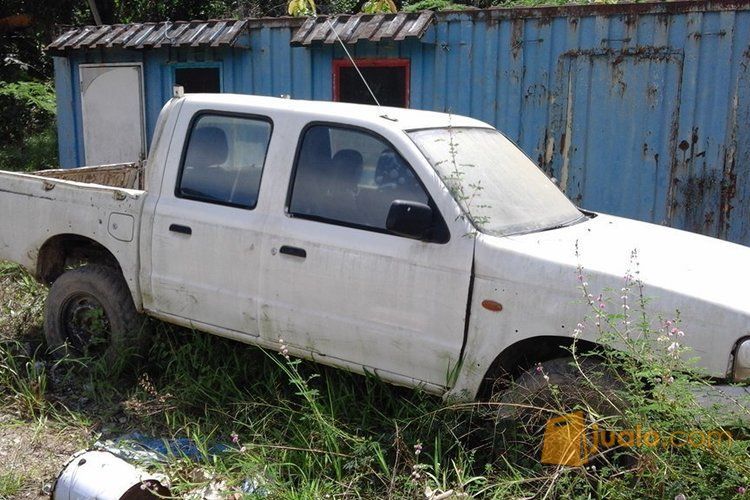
<point>32,454</point>
<point>32,450</point>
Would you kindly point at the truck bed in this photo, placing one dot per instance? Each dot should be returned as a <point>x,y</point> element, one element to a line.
<point>123,175</point>
<point>102,204</point>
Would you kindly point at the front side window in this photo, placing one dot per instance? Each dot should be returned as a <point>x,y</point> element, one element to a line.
<point>224,160</point>
<point>350,177</point>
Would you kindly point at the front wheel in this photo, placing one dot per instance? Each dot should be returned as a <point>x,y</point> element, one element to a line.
<point>90,313</point>
<point>562,385</point>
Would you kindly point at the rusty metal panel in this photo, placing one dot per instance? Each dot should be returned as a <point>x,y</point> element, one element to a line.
<point>171,33</point>
<point>125,175</point>
<point>147,35</point>
<point>414,29</point>
<point>371,27</point>
<point>153,37</point>
<point>93,37</point>
<point>618,106</point>
<point>76,37</point>
<point>124,36</point>
<point>109,35</point>
<point>639,110</point>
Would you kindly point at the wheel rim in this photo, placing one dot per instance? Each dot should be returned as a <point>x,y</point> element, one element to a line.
<point>85,325</point>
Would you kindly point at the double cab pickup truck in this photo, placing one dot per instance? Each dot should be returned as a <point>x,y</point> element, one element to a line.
<point>423,247</point>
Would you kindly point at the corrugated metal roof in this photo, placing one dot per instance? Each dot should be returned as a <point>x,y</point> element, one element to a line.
<point>214,33</point>
<point>373,27</point>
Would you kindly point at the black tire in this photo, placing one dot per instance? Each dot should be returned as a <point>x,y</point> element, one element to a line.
<point>90,313</point>
<point>561,385</point>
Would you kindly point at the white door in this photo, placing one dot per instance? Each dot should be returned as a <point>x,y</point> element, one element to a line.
<point>112,106</point>
<point>206,232</point>
<point>336,285</point>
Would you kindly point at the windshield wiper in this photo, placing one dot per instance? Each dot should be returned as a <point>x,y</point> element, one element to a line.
<point>565,224</point>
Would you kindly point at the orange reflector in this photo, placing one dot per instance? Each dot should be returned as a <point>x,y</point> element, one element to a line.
<point>491,305</point>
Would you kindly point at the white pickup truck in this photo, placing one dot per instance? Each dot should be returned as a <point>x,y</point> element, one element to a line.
<point>423,247</point>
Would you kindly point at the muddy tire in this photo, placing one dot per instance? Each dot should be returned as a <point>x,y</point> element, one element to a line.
<point>559,386</point>
<point>90,313</point>
<point>524,408</point>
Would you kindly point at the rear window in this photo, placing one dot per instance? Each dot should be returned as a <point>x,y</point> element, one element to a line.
<point>224,159</point>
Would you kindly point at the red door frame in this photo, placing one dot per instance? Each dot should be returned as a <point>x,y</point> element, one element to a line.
<point>371,63</point>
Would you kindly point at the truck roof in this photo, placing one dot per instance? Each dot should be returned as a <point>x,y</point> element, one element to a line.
<point>397,118</point>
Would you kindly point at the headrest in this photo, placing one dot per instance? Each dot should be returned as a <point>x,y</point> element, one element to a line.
<point>348,157</point>
<point>207,147</point>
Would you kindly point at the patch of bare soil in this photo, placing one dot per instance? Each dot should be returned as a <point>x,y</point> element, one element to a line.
<point>32,454</point>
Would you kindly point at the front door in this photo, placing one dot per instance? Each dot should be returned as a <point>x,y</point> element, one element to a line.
<point>206,233</point>
<point>338,286</point>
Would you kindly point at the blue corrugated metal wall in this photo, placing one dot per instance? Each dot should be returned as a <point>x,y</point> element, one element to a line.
<point>638,110</point>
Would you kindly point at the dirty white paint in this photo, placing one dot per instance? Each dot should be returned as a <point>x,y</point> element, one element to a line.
<point>535,277</point>
<point>361,300</point>
<point>36,209</point>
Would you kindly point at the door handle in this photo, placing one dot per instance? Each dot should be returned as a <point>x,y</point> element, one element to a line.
<point>177,228</point>
<point>293,251</point>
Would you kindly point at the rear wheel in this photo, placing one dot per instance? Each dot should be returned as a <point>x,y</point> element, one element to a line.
<point>90,313</point>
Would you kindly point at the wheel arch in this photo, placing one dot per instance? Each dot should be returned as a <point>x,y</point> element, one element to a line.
<point>524,354</point>
<point>64,250</point>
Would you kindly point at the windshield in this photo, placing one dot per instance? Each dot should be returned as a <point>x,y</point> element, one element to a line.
<point>501,190</point>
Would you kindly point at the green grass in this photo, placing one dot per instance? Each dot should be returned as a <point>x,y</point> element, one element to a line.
<point>10,484</point>
<point>293,429</point>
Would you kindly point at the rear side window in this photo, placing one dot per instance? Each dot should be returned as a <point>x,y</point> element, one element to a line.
<point>350,177</point>
<point>224,160</point>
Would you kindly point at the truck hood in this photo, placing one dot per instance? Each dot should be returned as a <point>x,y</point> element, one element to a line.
<point>703,278</point>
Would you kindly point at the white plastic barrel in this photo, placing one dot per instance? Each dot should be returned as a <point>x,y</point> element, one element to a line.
<point>103,476</point>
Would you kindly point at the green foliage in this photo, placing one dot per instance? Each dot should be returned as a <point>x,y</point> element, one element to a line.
<point>10,484</point>
<point>22,42</point>
<point>341,6</point>
<point>301,8</point>
<point>38,98</point>
<point>28,139</point>
<point>128,11</point>
<point>421,5</point>
<point>379,7</point>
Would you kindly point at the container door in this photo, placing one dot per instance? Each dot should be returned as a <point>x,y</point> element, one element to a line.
<point>112,106</point>
<point>616,129</point>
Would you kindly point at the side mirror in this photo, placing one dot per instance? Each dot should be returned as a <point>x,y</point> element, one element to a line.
<point>409,218</point>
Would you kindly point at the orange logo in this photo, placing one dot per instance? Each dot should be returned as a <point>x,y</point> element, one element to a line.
<point>568,440</point>
<point>565,440</point>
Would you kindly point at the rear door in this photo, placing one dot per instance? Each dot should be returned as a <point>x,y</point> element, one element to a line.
<point>338,286</point>
<point>206,229</point>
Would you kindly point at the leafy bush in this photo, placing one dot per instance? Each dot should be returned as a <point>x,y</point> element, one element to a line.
<point>379,7</point>
<point>421,5</point>
<point>27,126</point>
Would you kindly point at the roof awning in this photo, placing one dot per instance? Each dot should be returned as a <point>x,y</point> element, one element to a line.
<point>226,33</point>
<point>371,27</point>
<point>215,33</point>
